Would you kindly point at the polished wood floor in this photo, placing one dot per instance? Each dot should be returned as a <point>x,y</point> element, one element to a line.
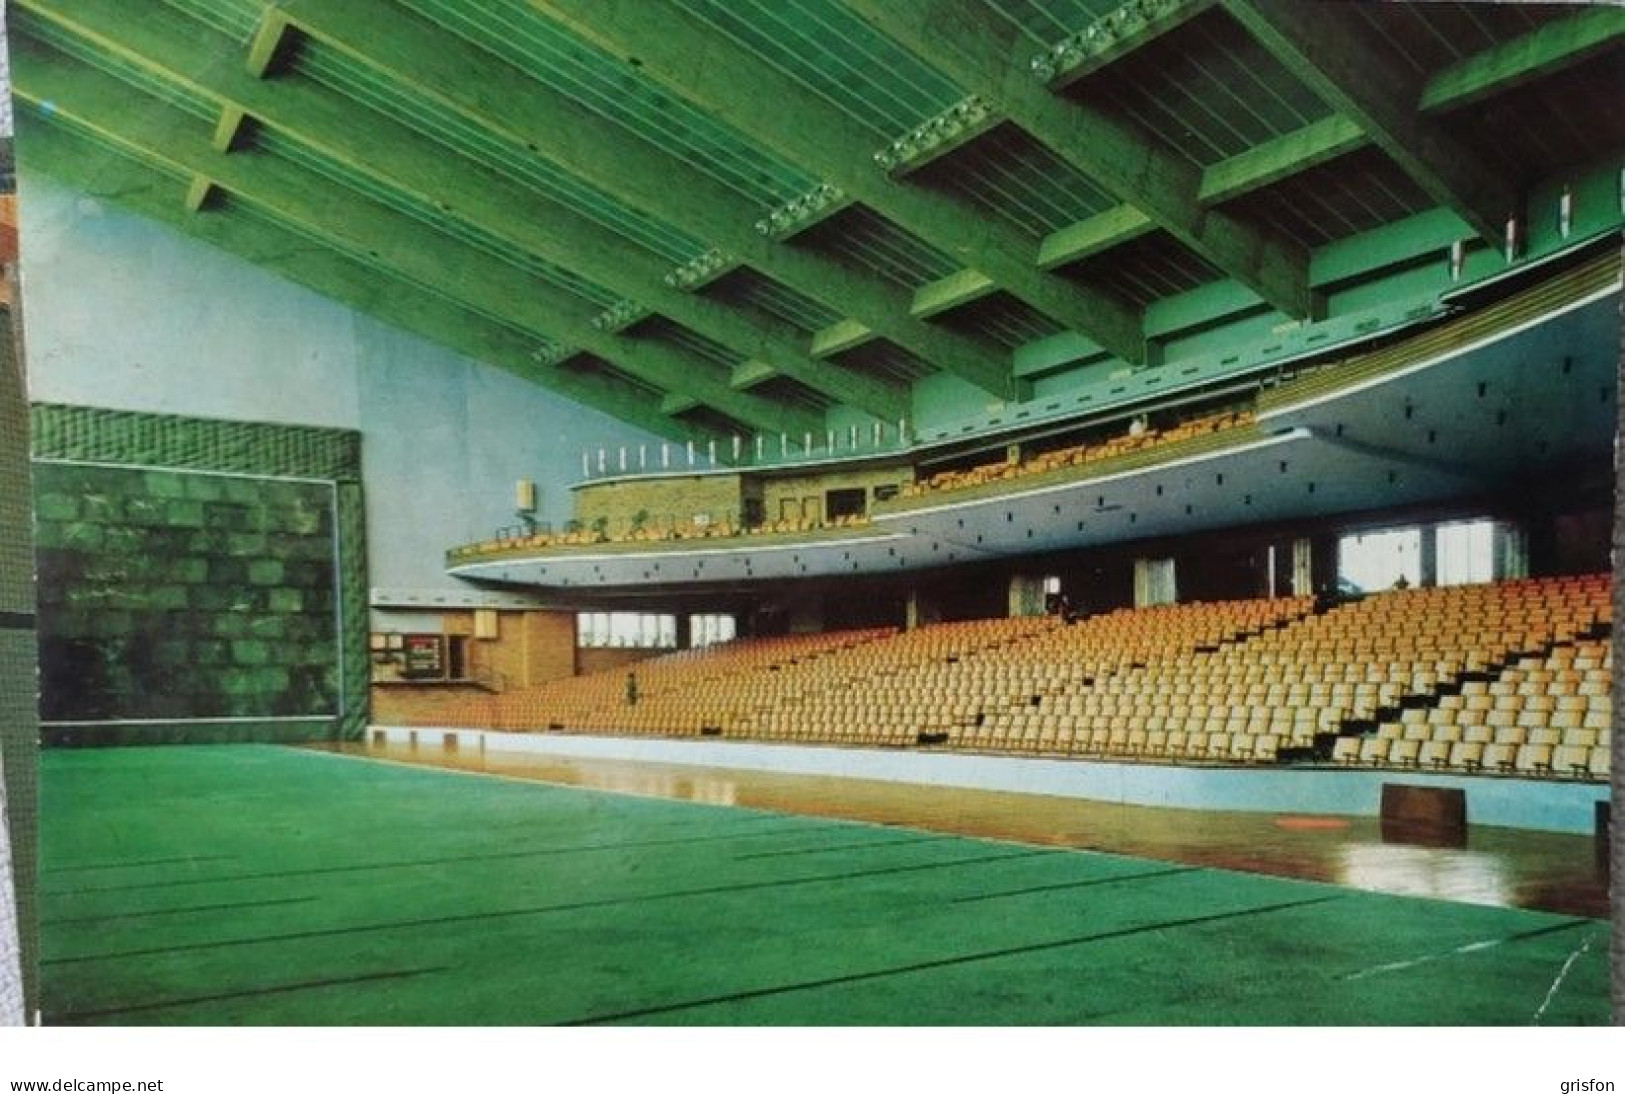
<point>1538,870</point>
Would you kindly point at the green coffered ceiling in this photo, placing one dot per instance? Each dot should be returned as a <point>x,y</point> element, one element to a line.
<point>715,217</point>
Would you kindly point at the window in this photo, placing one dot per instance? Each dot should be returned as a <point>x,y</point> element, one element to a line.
<point>1379,560</point>
<point>709,629</point>
<point>626,630</point>
<point>845,503</point>
<point>1478,551</point>
<point>1466,553</point>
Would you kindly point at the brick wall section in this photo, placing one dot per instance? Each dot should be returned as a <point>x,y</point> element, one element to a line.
<point>677,499</point>
<point>797,488</point>
<point>432,705</point>
<point>551,644</point>
<point>608,660</point>
<point>530,648</point>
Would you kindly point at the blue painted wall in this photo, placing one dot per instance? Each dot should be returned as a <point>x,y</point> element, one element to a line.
<point>124,313</point>
<point>1550,805</point>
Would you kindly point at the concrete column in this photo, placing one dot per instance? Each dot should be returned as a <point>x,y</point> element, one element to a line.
<point>1026,596</point>
<point>921,610</point>
<point>1302,575</point>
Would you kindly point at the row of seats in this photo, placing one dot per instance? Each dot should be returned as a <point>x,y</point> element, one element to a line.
<point>1078,455</point>
<point>886,692</point>
<point>1415,677</point>
<point>1004,682</point>
<point>664,532</point>
<point>1289,684</point>
<point>1580,761</point>
<point>1360,658</point>
<point>1549,713</point>
<point>671,689</point>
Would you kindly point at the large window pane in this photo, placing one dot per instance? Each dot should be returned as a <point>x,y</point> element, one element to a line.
<point>710,628</point>
<point>1466,553</point>
<point>1380,560</point>
<point>626,630</point>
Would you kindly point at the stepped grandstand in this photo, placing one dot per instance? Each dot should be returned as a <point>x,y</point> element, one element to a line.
<point>1085,511</point>
<point>1511,677</point>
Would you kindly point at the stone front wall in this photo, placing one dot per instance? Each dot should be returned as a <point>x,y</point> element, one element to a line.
<point>200,579</point>
<point>166,594</point>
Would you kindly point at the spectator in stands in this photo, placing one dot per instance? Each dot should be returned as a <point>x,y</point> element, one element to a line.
<point>631,689</point>
<point>1325,596</point>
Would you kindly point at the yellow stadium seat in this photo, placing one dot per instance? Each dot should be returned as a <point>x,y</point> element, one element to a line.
<point>1534,759</point>
<point>1435,753</point>
<point>1467,755</point>
<point>1600,762</point>
<point>1571,760</point>
<point>1374,751</point>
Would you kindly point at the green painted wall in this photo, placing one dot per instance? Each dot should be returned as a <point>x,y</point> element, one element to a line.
<point>193,579</point>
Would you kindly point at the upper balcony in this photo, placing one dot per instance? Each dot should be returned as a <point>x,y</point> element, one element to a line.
<point>1518,380</point>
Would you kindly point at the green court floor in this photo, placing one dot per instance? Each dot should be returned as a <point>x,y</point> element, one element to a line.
<point>255,884</point>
